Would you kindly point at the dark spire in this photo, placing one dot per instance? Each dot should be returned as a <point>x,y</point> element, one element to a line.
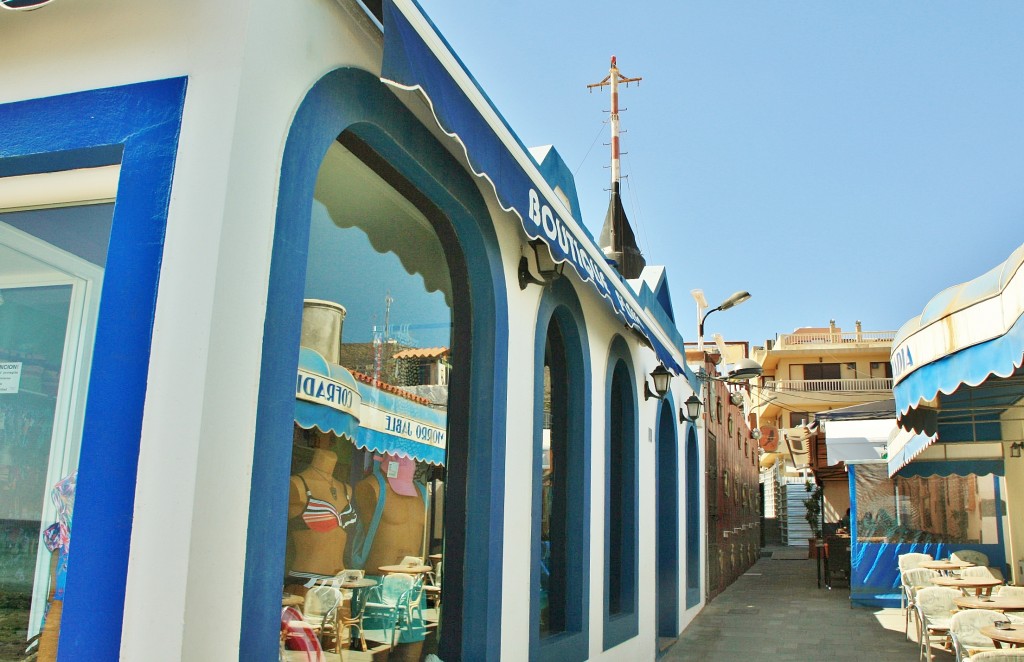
<point>617,240</point>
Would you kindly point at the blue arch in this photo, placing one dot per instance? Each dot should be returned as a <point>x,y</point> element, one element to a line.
<point>136,126</point>
<point>356,101</point>
<point>692,519</point>
<point>622,512</point>
<point>667,520</point>
<point>560,306</point>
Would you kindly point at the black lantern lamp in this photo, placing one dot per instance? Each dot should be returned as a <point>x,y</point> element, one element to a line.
<point>661,378</point>
<point>690,409</point>
<point>548,269</point>
<point>1015,448</point>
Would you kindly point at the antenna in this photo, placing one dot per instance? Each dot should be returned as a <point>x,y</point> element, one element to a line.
<point>613,79</point>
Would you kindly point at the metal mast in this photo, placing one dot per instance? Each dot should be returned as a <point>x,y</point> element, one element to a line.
<point>613,79</point>
<point>617,240</point>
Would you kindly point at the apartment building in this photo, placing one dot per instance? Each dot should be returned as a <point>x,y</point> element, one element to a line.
<point>806,372</point>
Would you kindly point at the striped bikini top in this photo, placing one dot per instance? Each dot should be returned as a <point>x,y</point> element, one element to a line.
<point>323,516</point>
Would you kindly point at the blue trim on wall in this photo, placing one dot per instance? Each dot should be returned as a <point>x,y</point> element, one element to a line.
<point>138,126</point>
<point>693,510</point>
<point>624,624</point>
<point>560,304</point>
<point>667,520</point>
<point>356,101</point>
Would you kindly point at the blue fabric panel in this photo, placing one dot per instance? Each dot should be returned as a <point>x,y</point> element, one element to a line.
<point>380,442</point>
<point>907,453</point>
<point>409,61</point>
<point>875,574</point>
<point>971,366</point>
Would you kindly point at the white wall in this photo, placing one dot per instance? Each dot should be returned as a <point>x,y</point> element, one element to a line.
<point>249,63</point>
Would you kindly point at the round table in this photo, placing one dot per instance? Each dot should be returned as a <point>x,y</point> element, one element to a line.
<point>994,602</point>
<point>945,567</point>
<point>407,569</point>
<point>1013,635</point>
<point>977,583</point>
<point>435,557</point>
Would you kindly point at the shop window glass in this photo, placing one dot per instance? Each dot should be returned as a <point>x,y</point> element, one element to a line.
<point>51,272</point>
<point>553,525</point>
<point>954,509</point>
<point>366,494</point>
<point>621,486</point>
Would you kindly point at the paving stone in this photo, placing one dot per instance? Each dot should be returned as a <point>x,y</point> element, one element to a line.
<point>776,612</point>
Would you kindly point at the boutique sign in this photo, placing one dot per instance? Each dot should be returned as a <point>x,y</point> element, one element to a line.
<point>325,391</point>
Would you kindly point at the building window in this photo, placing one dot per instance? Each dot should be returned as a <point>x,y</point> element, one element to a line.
<point>561,508</point>
<point>881,370</point>
<point>797,418</point>
<point>621,504</point>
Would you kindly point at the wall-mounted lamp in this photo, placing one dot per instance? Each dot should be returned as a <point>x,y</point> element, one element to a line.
<point>1015,448</point>
<point>690,409</point>
<point>755,434</point>
<point>661,377</point>
<point>548,269</point>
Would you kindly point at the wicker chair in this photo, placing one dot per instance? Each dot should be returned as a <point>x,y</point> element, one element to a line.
<point>984,572</point>
<point>934,606</point>
<point>964,629</point>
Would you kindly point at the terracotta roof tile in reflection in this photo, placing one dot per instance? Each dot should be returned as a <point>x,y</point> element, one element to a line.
<point>424,353</point>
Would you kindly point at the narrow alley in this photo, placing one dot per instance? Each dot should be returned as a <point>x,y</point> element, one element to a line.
<point>775,611</point>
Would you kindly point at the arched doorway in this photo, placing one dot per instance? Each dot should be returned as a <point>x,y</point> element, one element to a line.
<point>667,521</point>
<point>404,173</point>
<point>692,519</point>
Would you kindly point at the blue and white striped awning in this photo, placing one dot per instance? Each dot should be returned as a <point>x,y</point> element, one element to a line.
<point>958,364</point>
<point>326,396</point>
<point>392,424</point>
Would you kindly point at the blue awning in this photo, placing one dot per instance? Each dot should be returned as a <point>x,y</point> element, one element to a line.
<point>392,424</point>
<point>417,59</point>
<point>970,336</point>
<point>326,396</point>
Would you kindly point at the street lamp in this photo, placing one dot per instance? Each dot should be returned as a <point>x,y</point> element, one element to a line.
<point>691,408</point>
<point>661,377</point>
<point>702,303</point>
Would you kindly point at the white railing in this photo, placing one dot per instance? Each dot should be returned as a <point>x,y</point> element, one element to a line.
<point>828,338</point>
<point>831,385</point>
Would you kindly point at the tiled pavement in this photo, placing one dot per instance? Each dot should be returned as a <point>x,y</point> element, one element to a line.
<point>776,612</point>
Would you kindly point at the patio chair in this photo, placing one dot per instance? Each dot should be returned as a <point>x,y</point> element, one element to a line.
<point>388,601</point>
<point>906,562</point>
<point>982,571</point>
<point>964,629</point>
<point>1011,592</point>
<point>934,606</point>
<point>969,556</point>
<point>412,560</point>
<point>1002,655</point>
<point>320,611</point>
<point>911,581</point>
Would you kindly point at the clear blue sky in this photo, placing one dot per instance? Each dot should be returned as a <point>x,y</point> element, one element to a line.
<point>839,160</point>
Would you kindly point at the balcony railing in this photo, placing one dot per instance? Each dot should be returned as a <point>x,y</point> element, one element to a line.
<point>790,340</point>
<point>831,385</point>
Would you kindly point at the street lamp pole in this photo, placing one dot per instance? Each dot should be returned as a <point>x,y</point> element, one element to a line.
<point>702,303</point>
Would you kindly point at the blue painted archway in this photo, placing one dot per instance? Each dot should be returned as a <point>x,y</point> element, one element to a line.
<point>692,519</point>
<point>667,519</point>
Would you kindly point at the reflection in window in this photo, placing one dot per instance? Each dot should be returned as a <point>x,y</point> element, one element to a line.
<point>948,509</point>
<point>554,533</point>
<point>51,271</point>
<point>369,444</point>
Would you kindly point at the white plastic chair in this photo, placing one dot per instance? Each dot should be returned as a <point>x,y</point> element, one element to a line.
<point>911,581</point>
<point>984,572</point>
<point>1003,655</point>
<point>1016,592</point>
<point>969,556</point>
<point>909,562</point>
<point>935,607</point>
<point>964,629</point>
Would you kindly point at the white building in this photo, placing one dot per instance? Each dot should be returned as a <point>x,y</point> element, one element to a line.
<point>175,178</point>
